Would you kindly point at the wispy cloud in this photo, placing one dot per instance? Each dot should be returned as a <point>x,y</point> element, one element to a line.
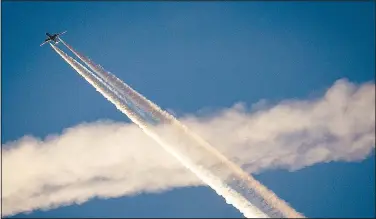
<point>111,159</point>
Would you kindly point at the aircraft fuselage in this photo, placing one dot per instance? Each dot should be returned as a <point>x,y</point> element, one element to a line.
<point>52,37</point>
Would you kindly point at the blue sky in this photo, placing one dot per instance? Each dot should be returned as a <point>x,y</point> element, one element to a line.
<point>188,57</point>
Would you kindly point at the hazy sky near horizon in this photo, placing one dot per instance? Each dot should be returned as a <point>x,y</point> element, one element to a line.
<point>193,58</point>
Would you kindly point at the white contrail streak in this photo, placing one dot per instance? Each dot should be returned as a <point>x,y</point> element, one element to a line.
<point>270,203</point>
<point>231,196</point>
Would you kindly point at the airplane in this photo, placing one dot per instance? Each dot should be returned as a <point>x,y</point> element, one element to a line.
<point>54,38</point>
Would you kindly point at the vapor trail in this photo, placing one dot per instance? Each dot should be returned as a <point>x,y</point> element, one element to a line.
<point>110,79</point>
<point>231,196</point>
<point>241,181</point>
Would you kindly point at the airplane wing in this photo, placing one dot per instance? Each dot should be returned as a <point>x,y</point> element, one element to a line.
<point>45,41</point>
<point>61,33</point>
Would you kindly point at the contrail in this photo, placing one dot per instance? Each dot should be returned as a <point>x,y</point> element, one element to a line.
<point>231,196</point>
<point>240,180</point>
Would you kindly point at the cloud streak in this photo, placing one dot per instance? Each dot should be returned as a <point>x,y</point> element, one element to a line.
<point>110,159</point>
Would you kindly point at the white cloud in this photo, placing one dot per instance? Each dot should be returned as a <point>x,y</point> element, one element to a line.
<point>109,159</point>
